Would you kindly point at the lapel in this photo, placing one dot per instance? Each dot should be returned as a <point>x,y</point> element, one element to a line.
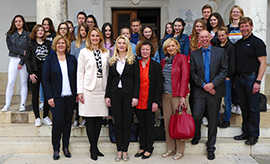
<point>114,68</point>
<point>58,68</point>
<point>201,61</point>
<point>125,68</point>
<point>69,67</point>
<point>212,61</point>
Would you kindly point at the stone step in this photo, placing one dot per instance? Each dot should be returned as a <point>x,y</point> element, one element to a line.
<point>14,116</point>
<point>80,145</point>
<point>29,130</point>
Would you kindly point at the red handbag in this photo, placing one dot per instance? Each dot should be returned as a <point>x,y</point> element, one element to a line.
<point>181,125</point>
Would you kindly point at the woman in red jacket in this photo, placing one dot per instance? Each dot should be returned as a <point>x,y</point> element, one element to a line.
<point>175,88</point>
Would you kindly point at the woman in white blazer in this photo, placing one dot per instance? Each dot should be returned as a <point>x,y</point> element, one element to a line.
<point>91,85</point>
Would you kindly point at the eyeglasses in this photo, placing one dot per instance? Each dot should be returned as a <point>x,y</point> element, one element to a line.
<point>63,28</point>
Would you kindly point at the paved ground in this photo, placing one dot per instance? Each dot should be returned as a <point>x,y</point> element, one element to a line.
<point>262,159</point>
<point>108,159</point>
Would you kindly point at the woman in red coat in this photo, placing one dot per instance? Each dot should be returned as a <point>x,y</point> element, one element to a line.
<point>175,88</point>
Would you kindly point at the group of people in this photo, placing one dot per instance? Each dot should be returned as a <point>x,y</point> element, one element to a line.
<point>82,67</point>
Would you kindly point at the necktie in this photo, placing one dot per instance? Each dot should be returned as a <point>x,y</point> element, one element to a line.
<point>206,65</point>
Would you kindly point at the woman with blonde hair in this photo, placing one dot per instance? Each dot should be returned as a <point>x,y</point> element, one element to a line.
<point>236,14</point>
<point>234,35</point>
<point>122,93</point>
<point>92,79</point>
<point>59,75</point>
<point>175,89</point>
<point>198,26</point>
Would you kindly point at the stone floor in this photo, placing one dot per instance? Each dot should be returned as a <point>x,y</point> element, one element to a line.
<point>155,159</point>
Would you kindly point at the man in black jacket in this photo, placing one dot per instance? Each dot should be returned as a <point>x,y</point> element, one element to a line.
<point>250,68</point>
<point>208,68</point>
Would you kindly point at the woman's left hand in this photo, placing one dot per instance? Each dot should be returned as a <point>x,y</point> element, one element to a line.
<point>134,102</point>
<point>182,101</point>
<point>154,107</point>
<point>19,66</point>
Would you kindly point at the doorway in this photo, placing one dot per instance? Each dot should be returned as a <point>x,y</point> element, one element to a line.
<point>148,16</point>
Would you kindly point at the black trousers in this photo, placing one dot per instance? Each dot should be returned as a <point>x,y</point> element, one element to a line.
<point>93,127</point>
<point>35,99</point>
<point>249,104</point>
<point>62,119</point>
<point>145,118</point>
<point>211,104</point>
<point>122,114</point>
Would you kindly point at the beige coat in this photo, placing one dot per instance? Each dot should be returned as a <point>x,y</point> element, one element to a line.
<point>92,88</point>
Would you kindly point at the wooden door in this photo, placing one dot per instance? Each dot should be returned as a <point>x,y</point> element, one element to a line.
<point>122,18</point>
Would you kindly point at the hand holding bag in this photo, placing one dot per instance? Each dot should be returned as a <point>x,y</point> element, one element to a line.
<point>181,125</point>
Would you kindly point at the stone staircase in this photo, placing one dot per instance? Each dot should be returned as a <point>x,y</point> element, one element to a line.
<point>19,135</point>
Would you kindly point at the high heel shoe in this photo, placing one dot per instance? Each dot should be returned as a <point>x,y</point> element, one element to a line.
<point>93,155</point>
<point>118,157</point>
<point>168,153</point>
<point>146,156</point>
<point>67,153</point>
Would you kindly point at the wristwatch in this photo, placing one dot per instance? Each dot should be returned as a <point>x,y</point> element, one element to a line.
<point>258,81</point>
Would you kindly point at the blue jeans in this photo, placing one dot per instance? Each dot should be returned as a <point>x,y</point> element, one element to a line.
<point>249,103</point>
<point>228,101</point>
<point>41,94</point>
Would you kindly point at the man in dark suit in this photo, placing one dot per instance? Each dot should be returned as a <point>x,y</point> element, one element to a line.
<point>208,67</point>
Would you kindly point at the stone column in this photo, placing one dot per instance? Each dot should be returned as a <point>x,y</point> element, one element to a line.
<point>54,9</point>
<point>257,11</point>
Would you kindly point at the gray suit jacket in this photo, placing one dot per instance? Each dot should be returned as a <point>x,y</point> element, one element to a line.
<point>218,71</point>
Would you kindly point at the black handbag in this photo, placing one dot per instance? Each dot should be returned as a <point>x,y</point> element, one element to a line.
<point>262,102</point>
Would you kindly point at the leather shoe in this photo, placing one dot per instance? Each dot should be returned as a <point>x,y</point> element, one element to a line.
<point>93,155</point>
<point>67,153</point>
<point>211,155</point>
<point>251,141</point>
<point>56,155</point>
<point>99,154</point>
<point>195,141</point>
<point>243,136</point>
<point>146,156</point>
<point>139,154</point>
<point>225,124</point>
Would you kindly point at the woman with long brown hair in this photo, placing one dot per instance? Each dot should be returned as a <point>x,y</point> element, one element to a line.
<point>17,43</point>
<point>39,49</point>
<point>198,26</point>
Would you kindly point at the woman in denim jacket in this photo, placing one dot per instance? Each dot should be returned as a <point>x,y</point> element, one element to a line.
<point>178,29</point>
<point>17,42</point>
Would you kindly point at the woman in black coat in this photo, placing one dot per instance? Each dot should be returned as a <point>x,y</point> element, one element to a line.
<point>149,96</point>
<point>59,76</point>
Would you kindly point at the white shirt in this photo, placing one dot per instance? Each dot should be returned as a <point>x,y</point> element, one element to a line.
<point>66,89</point>
<point>120,65</point>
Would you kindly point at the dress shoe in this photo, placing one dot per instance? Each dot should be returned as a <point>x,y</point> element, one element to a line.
<point>67,153</point>
<point>56,155</point>
<point>139,154</point>
<point>195,141</point>
<point>243,136</point>
<point>251,141</point>
<point>93,155</point>
<point>211,155</point>
<point>99,154</point>
<point>225,124</point>
<point>146,156</point>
